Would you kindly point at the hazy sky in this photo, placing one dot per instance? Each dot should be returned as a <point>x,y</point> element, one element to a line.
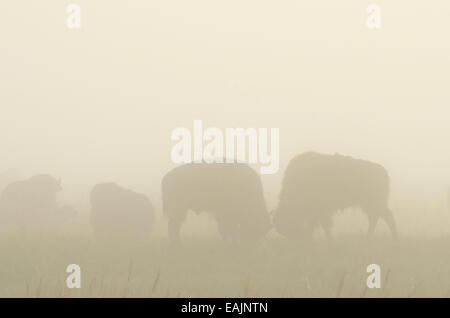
<point>99,103</point>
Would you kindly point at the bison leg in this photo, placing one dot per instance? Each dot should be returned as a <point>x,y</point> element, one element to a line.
<point>224,230</point>
<point>373,220</point>
<point>227,227</point>
<point>175,222</point>
<point>390,221</point>
<point>326,224</point>
<point>327,229</point>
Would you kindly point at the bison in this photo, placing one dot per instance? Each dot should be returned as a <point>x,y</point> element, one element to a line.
<point>315,186</point>
<point>33,203</point>
<point>117,212</point>
<point>231,192</point>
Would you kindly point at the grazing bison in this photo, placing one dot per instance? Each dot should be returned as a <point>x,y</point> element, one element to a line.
<point>315,186</point>
<point>231,193</point>
<point>120,213</point>
<point>32,204</point>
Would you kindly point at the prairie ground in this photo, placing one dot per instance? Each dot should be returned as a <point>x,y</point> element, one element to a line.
<point>212,268</point>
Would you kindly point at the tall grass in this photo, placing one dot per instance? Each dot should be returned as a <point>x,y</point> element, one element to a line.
<point>410,268</point>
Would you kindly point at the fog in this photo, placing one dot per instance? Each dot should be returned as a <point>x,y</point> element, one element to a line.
<point>98,104</point>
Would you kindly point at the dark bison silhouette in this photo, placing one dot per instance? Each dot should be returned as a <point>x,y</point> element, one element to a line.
<point>315,186</point>
<point>117,212</point>
<point>231,192</point>
<point>33,203</point>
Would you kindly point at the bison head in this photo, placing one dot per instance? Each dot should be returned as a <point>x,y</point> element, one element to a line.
<point>292,225</point>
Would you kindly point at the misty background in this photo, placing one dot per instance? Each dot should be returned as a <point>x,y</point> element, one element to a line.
<point>98,104</point>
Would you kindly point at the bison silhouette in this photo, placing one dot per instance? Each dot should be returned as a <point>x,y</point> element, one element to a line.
<point>315,186</point>
<point>117,212</point>
<point>231,192</point>
<point>33,204</point>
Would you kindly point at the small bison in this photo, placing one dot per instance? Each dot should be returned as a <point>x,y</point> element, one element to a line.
<point>231,193</point>
<point>33,203</point>
<point>120,213</point>
<point>315,186</point>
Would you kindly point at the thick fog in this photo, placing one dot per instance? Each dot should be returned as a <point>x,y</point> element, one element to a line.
<point>92,111</point>
<point>99,104</point>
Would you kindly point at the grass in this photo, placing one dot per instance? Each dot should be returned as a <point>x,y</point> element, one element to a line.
<point>211,268</point>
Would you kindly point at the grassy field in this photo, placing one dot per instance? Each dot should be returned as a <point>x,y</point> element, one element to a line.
<point>211,268</point>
